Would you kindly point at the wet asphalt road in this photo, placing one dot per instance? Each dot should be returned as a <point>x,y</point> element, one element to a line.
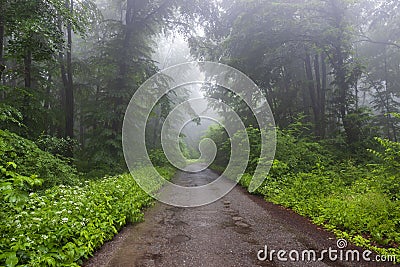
<point>228,232</point>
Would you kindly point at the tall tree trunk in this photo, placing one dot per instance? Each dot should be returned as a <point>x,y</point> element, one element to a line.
<point>28,69</point>
<point>46,104</point>
<point>311,90</point>
<point>81,125</point>
<point>321,112</point>
<point>69,91</point>
<point>64,79</point>
<point>129,21</point>
<point>386,99</point>
<point>343,87</point>
<point>124,62</point>
<point>67,95</point>
<point>2,63</point>
<point>317,77</point>
<point>323,94</point>
<point>340,51</point>
<point>156,130</point>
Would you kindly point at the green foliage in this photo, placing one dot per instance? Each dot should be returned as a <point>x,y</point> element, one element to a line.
<point>254,137</point>
<point>18,116</point>
<point>102,154</point>
<point>184,147</point>
<point>66,224</point>
<point>8,114</point>
<point>220,138</point>
<point>158,157</point>
<point>390,157</point>
<point>14,187</point>
<point>371,214</point>
<point>298,154</point>
<point>35,26</point>
<point>29,160</point>
<point>56,146</point>
<point>387,169</point>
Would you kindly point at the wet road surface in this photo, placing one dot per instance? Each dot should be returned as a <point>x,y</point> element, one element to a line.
<point>228,232</point>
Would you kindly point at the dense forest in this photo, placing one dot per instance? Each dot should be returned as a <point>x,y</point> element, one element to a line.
<point>329,69</point>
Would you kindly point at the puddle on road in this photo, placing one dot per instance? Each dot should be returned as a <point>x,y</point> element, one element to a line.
<point>179,239</point>
<point>237,223</point>
<point>178,223</point>
<point>238,228</point>
<point>237,218</point>
<point>232,212</point>
<point>152,256</point>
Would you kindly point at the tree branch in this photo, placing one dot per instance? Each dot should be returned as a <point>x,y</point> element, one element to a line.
<point>369,40</point>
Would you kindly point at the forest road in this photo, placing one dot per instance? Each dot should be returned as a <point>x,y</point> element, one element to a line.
<point>229,232</point>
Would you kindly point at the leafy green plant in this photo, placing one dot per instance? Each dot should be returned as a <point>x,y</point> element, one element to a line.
<point>14,187</point>
<point>66,224</point>
<point>57,146</point>
<point>158,157</point>
<point>390,156</point>
<point>29,160</point>
<point>9,114</point>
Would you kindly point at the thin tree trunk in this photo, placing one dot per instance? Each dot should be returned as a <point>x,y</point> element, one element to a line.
<point>13,81</point>
<point>321,116</point>
<point>69,92</point>
<point>155,132</point>
<point>28,69</point>
<point>323,94</point>
<point>27,83</point>
<point>64,78</point>
<point>317,77</point>
<point>123,64</point>
<point>394,132</point>
<point>46,104</point>
<point>339,54</point>
<point>311,90</point>
<point>2,63</point>
<point>81,125</point>
<point>343,87</point>
<point>67,95</point>
<point>388,96</point>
